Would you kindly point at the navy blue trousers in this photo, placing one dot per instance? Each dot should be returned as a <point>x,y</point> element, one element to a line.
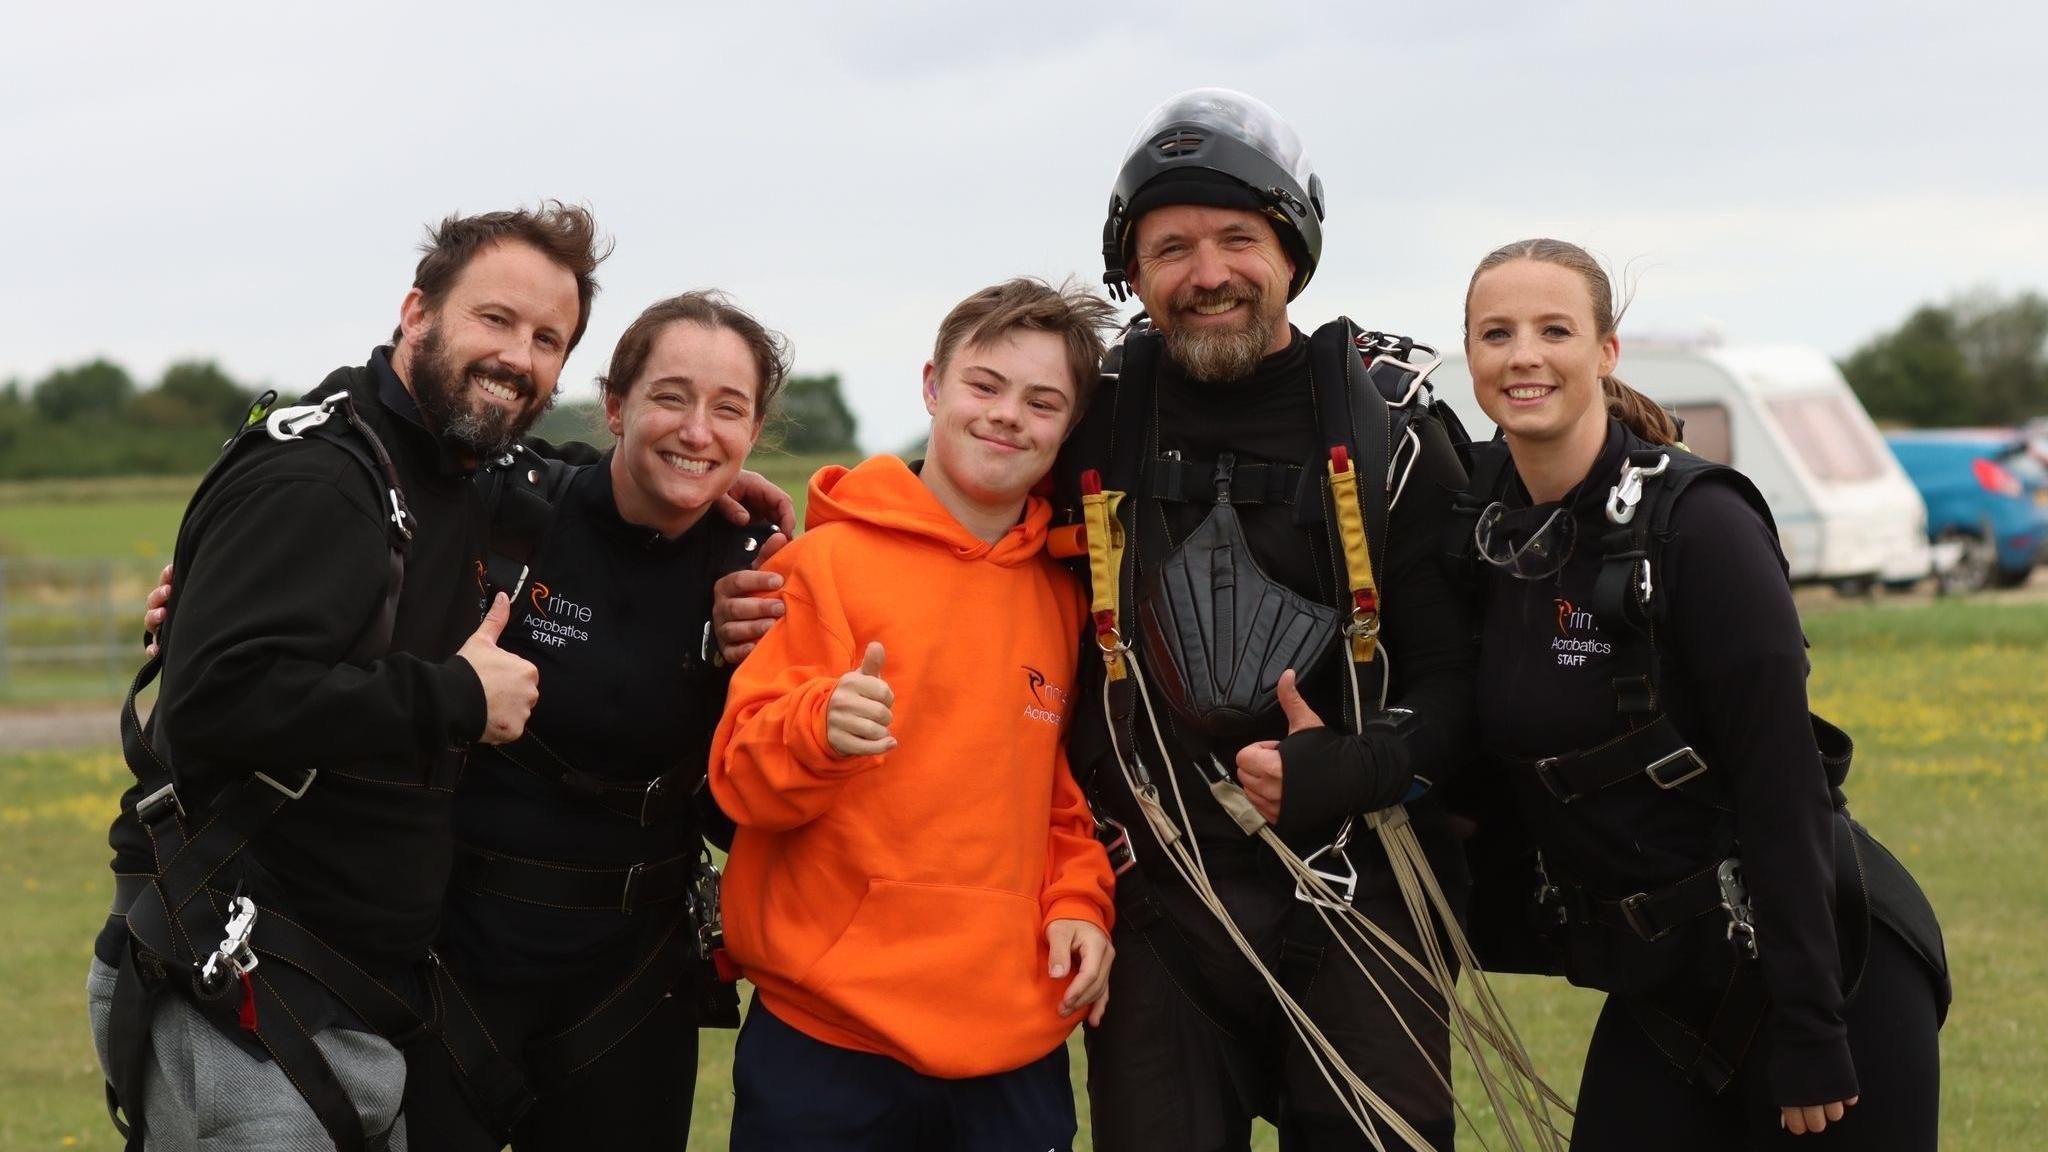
<point>796,1094</point>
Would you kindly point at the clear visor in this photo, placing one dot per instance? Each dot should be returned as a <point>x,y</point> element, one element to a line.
<point>1245,117</point>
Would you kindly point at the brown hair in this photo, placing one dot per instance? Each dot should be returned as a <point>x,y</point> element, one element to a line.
<point>1641,414</point>
<point>1075,314</point>
<point>708,308</point>
<point>564,233</point>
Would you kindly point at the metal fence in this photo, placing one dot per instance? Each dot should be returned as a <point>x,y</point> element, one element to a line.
<point>70,626</point>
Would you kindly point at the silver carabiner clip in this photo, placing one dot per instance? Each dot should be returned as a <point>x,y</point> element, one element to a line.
<point>293,422</point>
<point>1735,902</point>
<point>1628,492</point>
<point>234,952</point>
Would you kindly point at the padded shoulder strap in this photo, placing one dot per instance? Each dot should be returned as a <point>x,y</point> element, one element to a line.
<point>1353,412</point>
<point>520,491</point>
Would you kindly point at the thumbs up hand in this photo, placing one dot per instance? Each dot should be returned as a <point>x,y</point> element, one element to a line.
<point>1258,764</point>
<point>858,716</point>
<point>511,685</point>
<point>1299,714</point>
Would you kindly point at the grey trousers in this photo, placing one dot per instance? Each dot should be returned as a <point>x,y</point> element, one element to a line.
<point>203,1093</point>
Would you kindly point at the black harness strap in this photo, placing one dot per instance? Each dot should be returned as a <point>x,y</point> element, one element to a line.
<point>1710,1057</point>
<point>661,972</point>
<point>575,886</point>
<point>645,802</point>
<point>1182,481</point>
<point>519,491</point>
<point>493,1080</point>
<point>1655,752</point>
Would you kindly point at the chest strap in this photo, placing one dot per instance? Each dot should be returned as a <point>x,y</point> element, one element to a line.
<point>1180,481</point>
<point>575,886</point>
<point>1655,752</point>
<point>667,797</point>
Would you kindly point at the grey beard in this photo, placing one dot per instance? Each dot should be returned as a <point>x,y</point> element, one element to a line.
<point>1219,357</point>
<point>486,432</point>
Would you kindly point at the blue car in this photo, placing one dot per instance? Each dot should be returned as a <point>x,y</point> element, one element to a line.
<point>1985,493</point>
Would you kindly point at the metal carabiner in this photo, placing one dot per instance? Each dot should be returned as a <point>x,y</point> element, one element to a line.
<point>1735,902</point>
<point>293,422</point>
<point>234,951</point>
<point>1628,492</point>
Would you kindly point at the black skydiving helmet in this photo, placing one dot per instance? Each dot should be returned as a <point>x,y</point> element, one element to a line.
<point>1216,632</point>
<point>1224,149</point>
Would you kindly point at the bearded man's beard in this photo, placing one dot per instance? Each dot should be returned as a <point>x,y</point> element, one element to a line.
<point>1217,355</point>
<point>464,421</point>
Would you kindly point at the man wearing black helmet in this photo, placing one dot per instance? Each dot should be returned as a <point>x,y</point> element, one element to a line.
<point>1222,432</point>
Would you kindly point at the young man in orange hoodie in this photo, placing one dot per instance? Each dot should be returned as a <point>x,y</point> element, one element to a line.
<point>915,888</point>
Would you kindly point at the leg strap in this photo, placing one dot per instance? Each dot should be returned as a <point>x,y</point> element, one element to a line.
<point>664,970</point>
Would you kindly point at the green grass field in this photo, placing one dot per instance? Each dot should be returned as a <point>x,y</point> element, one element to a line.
<point>83,554</point>
<point>1947,702</point>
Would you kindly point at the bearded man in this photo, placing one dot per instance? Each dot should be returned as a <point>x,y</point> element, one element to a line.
<point>323,673</point>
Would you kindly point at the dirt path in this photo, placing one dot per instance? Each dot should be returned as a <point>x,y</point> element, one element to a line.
<point>33,729</point>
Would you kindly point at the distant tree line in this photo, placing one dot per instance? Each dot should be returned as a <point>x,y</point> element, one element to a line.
<point>811,419</point>
<point>92,419</point>
<point>1979,359</point>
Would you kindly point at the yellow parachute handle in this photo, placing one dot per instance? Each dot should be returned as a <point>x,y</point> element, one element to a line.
<point>1364,629</point>
<point>1105,567</point>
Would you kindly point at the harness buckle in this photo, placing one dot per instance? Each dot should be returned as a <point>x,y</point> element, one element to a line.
<point>158,804</point>
<point>289,792</point>
<point>626,893</point>
<point>1546,774</point>
<point>1116,841</point>
<point>655,791</point>
<point>401,516</point>
<point>1693,767</point>
<point>1639,921</point>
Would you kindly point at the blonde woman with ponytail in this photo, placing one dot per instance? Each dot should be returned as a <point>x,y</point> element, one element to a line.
<point>1775,978</point>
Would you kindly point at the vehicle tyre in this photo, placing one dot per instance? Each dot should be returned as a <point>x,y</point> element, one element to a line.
<point>2010,577</point>
<point>1972,571</point>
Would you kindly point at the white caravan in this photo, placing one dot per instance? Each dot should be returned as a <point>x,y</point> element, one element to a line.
<point>1783,415</point>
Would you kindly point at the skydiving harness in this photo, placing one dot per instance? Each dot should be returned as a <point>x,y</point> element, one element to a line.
<point>521,491</point>
<point>1653,754</point>
<point>1218,633</point>
<point>175,914</point>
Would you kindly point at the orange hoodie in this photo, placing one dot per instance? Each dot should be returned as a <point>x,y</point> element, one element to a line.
<point>897,904</point>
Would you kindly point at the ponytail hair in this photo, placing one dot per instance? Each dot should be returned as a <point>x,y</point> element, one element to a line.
<point>1641,414</point>
<point>1638,413</point>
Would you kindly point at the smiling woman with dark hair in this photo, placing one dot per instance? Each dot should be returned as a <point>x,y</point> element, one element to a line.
<point>577,928</point>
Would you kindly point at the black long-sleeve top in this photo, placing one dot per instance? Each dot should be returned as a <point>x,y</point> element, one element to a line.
<point>283,563</point>
<point>614,616</point>
<point>1270,416</point>
<point>1733,679</point>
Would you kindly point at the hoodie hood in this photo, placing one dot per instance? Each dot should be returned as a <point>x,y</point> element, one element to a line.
<point>885,493</point>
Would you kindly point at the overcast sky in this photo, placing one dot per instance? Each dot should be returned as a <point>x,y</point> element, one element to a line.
<point>248,181</point>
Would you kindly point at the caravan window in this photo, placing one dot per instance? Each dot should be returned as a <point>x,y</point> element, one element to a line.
<point>1706,431</point>
<point>1829,439</point>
